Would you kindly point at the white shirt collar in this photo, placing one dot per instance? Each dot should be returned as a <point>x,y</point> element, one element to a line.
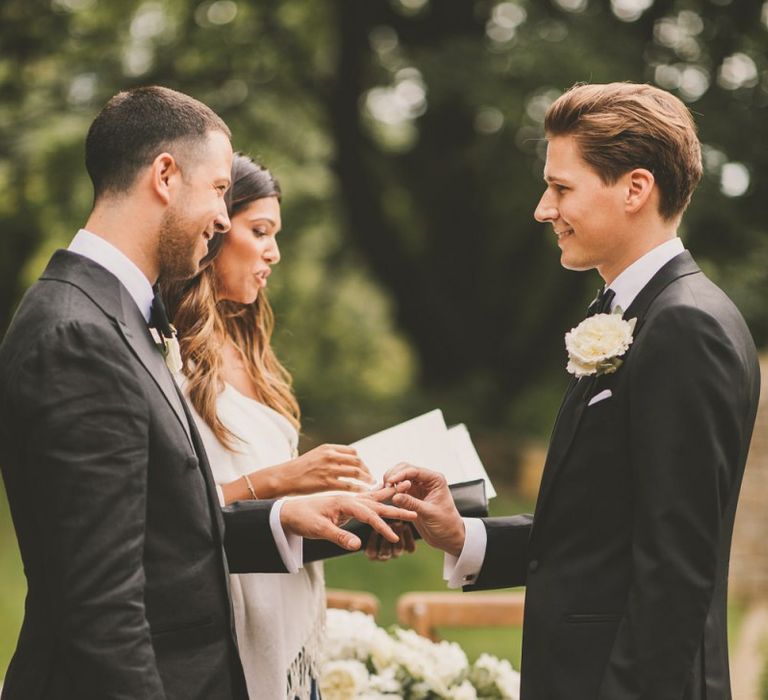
<point>629,283</point>
<point>103,253</point>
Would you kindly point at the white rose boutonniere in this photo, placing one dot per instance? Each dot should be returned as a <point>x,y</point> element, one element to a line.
<point>170,349</point>
<point>597,344</point>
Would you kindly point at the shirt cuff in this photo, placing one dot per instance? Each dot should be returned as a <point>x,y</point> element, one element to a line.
<point>290,546</point>
<point>220,494</point>
<point>464,569</point>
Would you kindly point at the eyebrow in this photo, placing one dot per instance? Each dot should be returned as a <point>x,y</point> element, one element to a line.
<point>263,218</point>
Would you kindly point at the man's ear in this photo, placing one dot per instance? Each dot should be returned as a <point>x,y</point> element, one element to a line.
<point>640,184</point>
<point>164,172</point>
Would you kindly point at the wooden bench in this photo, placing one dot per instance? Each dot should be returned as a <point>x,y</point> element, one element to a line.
<point>426,611</point>
<point>352,600</point>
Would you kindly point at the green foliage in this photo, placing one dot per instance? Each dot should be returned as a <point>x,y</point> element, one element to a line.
<point>407,136</point>
<point>13,587</point>
<point>408,140</point>
<point>764,684</point>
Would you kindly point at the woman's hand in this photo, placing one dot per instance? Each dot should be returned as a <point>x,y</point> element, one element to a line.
<point>319,469</point>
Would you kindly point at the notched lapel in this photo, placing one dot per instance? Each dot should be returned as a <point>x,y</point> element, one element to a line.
<point>680,266</point>
<point>134,330</point>
<point>563,434</point>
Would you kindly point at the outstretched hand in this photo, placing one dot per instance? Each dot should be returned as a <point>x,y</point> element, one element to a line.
<point>321,517</point>
<point>427,493</point>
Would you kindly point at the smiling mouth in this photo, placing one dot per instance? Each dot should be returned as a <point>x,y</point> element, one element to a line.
<point>564,234</point>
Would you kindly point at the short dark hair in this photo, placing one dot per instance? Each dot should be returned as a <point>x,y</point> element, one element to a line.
<point>622,126</point>
<point>135,126</point>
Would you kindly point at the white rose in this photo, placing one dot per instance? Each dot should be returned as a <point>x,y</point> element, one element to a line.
<point>495,678</point>
<point>351,635</point>
<point>597,343</point>
<point>385,684</point>
<point>465,691</point>
<point>382,650</point>
<point>343,680</point>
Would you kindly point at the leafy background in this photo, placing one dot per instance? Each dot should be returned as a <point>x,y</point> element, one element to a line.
<point>407,136</point>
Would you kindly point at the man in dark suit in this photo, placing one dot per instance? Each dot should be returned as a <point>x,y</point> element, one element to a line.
<point>626,557</point>
<point>111,494</point>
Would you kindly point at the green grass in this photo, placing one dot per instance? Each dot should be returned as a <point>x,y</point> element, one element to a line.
<point>13,586</point>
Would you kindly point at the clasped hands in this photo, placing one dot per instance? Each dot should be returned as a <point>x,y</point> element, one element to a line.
<point>418,496</point>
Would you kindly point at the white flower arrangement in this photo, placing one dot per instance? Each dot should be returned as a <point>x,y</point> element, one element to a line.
<point>597,344</point>
<point>361,661</point>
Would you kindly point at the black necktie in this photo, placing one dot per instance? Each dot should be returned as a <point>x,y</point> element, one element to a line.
<point>601,303</point>
<point>158,316</point>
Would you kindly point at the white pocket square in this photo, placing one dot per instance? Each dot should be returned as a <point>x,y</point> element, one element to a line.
<point>604,394</point>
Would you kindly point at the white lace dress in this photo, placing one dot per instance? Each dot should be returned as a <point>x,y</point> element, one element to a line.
<point>279,617</point>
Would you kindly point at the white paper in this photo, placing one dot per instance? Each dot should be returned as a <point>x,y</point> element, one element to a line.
<point>465,451</point>
<point>425,441</point>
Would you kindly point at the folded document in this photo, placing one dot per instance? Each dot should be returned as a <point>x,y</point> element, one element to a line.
<point>425,441</point>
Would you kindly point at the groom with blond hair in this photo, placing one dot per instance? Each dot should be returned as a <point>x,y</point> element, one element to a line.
<point>625,560</point>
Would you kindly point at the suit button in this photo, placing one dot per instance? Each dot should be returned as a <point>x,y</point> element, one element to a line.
<point>533,565</point>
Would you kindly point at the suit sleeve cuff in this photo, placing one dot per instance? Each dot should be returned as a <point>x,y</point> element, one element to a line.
<point>464,569</point>
<point>289,546</point>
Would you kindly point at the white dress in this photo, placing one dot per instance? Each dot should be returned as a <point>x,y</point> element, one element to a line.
<point>279,617</point>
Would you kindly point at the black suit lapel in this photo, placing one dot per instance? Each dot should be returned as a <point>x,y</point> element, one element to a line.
<point>205,467</point>
<point>566,427</point>
<point>680,266</point>
<point>137,335</point>
<point>135,332</point>
<point>106,291</point>
<point>578,394</point>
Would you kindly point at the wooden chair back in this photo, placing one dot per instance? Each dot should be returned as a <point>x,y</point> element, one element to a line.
<point>426,611</point>
<point>352,600</point>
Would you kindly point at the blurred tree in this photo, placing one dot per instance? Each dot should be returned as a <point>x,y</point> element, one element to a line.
<point>407,134</point>
<point>436,113</point>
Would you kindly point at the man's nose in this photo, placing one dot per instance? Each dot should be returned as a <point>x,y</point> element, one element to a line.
<point>545,210</point>
<point>222,224</point>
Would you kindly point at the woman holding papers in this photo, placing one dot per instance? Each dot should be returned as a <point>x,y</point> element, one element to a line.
<point>248,417</point>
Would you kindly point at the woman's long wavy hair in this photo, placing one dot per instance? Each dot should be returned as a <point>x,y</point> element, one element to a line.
<point>204,322</point>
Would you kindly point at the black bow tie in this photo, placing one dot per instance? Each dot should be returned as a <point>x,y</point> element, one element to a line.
<point>158,316</point>
<point>601,303</point>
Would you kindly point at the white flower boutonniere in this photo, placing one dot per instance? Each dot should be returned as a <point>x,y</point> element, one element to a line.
<point>170,349</point>
<point>597,344</point>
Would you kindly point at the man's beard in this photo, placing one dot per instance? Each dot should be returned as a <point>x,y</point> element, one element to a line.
<point>176,249</point>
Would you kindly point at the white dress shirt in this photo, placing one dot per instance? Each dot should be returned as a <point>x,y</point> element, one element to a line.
<point>103,253</point>
<point>464,569</point>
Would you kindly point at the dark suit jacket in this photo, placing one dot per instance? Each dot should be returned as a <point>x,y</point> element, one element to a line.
<point>626,559</point>
<point>114,506</point>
